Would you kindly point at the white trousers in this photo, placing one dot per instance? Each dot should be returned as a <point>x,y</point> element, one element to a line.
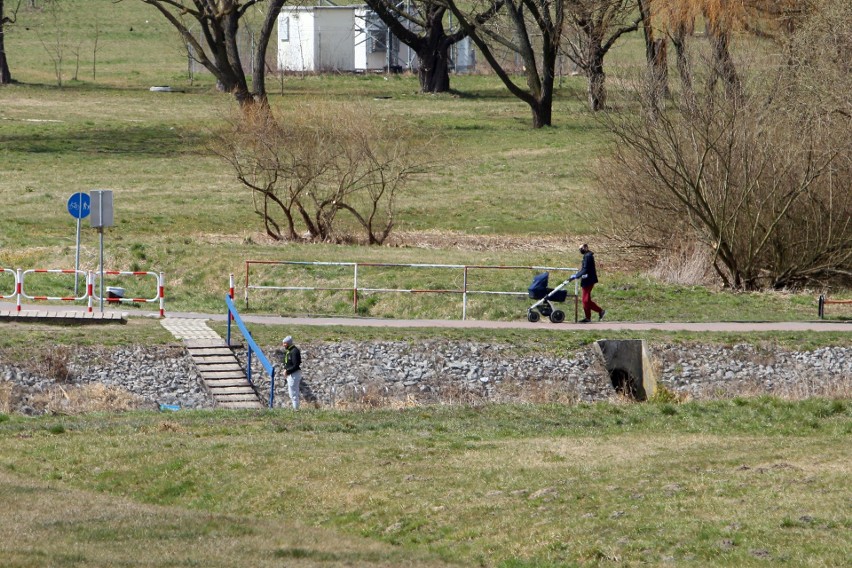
<point>293,381</point>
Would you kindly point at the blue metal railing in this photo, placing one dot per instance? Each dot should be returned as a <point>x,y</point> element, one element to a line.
<point>233,315</point>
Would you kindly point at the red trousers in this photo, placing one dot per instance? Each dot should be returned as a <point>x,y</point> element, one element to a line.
<point>589,305</point>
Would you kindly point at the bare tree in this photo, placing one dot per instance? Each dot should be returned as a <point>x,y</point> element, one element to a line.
<point>5,73</point>
<point>54,39</point>
<point>594,27</point>
<point>419,24</point>
<point>528,29</point>
<point>217,49</point>
<point>762,187</point>
<point>320,171</point>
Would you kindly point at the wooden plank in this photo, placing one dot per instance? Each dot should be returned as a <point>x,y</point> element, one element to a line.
<point>213,360</point>
<point>242,404</point>
<point>236,397</point>
<point>223,375</point>
<point>231,368</point>
<point>208,351</point>
<point>225,383</point>
<point>244,390</point>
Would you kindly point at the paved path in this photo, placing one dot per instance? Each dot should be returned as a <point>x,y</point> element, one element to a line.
<point>737,327</point>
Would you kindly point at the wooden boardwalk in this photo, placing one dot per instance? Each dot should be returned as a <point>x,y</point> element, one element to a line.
<point>62,316</point>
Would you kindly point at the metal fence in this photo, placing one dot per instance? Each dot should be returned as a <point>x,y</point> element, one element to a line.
<point>357,288</point>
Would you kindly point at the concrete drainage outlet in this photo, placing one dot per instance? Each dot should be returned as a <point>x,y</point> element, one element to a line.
<point>628,363</point>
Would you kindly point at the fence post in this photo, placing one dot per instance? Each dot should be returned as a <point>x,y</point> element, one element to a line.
<point>821,306</point>
<point>464,296</point>
<point>355,289</point>
<point>247,283</point>
<point>19,287</point>
<point>231,294</point>
<point>90,284</point>
<point>248,370</point>
<point>161,290</point>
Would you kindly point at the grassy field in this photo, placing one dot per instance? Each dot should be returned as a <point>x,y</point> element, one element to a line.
<point>743,482</point>
<point>740,482</point>
<point>497,192</point>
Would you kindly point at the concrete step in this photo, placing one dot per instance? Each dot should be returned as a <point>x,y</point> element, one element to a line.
<point>210,352</point>
<point>221,368</point>
<point>236,397</point>
<point>214,378</point>
<point>244,404</point>
<point>218,392</point>
<point>214,360</point>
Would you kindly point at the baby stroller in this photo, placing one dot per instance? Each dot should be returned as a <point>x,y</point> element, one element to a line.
<point>539,291</point>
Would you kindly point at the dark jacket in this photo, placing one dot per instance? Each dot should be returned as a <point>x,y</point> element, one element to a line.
<point>292,359</point>
<point>587,274</point>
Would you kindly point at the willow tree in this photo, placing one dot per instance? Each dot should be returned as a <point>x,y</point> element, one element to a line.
<point>594,28</point>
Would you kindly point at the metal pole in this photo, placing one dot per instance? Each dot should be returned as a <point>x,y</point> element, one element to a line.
<point>355,289</point>
<point>464,296</point>
<point>77,253</point>
<point>101,234</point>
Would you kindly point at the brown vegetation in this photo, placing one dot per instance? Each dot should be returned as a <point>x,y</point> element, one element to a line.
<point>760,177</point>
<point>323,163</point>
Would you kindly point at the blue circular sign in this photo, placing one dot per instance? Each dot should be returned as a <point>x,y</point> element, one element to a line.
<point>79,205</point>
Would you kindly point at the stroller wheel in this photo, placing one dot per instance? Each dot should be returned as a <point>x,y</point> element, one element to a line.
<point>557,316</point>
<point>533,316</point>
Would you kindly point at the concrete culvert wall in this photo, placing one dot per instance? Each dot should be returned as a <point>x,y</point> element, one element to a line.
<point>628,362</point>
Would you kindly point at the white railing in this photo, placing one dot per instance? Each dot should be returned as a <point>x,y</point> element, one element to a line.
<point>356,288</point>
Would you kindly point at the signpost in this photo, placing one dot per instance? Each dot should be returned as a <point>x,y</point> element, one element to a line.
<point>79,206</point>
<point>101,207</point>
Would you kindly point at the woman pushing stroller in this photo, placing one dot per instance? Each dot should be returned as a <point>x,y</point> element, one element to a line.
<point>588,277</point>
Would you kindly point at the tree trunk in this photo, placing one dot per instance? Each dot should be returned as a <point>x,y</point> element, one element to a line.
<point>258,73</point>
<point>434,69</point>
<point>597,82</point>
<point>684,68</point>
<point>723,62</point>
<point>5,74</point>
<point>542,112</point>
<point>433,52</point>
<point>655,53</point>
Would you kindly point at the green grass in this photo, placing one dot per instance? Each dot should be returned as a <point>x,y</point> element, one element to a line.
<point>494,183</point>
<point>730,483</point>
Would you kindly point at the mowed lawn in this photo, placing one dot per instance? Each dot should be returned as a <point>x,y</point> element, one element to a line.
<point>740,482</point>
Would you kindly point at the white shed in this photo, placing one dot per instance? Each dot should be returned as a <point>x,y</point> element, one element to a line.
<point>316,39</point>
<point>349,38</point>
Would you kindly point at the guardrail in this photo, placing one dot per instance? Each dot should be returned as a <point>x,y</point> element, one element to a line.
<point>89,295</point>
<point>233,315</point>
<point>355,289</point>
<point>822,301</point>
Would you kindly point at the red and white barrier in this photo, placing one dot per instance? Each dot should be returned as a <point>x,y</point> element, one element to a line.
<point>15,284</point>
<point>159,295</point>
<point>89,294</point>
<point>52,271</point>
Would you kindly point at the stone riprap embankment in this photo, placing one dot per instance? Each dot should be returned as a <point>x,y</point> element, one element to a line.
<point>386,372</point>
